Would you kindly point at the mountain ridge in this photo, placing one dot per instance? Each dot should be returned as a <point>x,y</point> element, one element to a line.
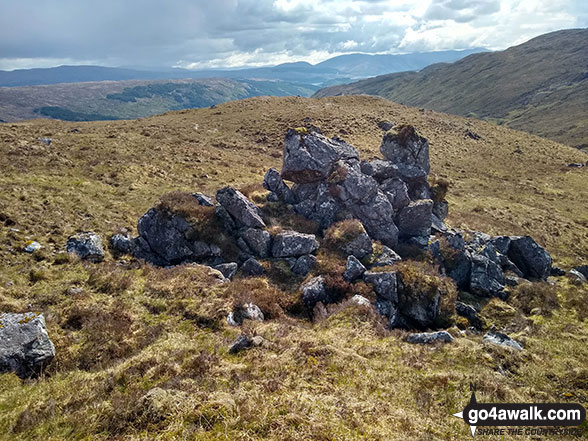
<point>321,72</point>
<point>539,86</point>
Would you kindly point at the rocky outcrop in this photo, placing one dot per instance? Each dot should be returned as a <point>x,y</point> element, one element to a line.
<point>87,246</point>
<point>308,157</point>
<point>164,239</point>
<point>25,347</point>
<point>368,211</point>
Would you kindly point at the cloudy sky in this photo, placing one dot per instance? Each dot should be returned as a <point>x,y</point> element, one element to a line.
<point>227,33</point>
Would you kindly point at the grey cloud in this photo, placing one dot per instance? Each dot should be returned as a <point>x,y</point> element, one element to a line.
<point>461,10</point>
<point>153,32</point>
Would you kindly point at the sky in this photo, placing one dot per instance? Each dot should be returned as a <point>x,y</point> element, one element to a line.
<point>200,34</point>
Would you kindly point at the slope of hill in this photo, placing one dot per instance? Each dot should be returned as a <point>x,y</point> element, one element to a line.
<point>109,100</point>
<point>142,351</point>
<point>540,86</point>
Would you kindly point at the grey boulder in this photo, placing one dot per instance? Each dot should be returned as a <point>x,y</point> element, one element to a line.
<point>530,257</point>
<point>294,244</point>
<point>228,270</point>
<point>87,246</point>
<point>384,283</point>
<point>405,145</point>
<point>122,243</point>
<point>258,241</point>
<point>416,218</point>
<point>248,311</point>
<point>486,278</point>
<point>314,291</point>
<point>304,265</point>
<point>241,209</point>
<point>203,200</point>
<point>166,236</point>
<point>308,157</point>
<point>25,347</point>
<point>252,267</point>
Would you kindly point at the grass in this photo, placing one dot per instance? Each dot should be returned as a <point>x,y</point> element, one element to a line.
<point>142,352</point>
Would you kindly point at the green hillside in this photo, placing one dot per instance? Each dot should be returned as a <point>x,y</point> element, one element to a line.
<point>540,86</point>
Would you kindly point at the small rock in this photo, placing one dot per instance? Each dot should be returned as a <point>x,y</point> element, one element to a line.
<point>122,243</point>
<point>252,267</point>
<point>87,246</point>
<point>557,272</point>
<point>359,247</point>
<point>25,347</point>
<point>470,313</point>
<point>386,257</point>
<point>244,342</point>
<point>304,264</point>
<point>74,291</point>
<point>360,300</point>
<point>472,135</point>
<point>577,276</point>
<point>46,141</point>
<point>248,311</point>
<point>441,209</point>
<point>32,246</point>
<point>203,200</point>
<point>501,339</point>
<point>486,278</point>
<point>227,269</point>
<point>294,244</point>
<point>425,338</point>
<point>314,291</point>
<point>354,269</point>
<point>582,269</point>
<point>386,125</point>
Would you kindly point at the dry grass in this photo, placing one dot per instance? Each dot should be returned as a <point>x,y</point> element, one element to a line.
<point>131,329</point>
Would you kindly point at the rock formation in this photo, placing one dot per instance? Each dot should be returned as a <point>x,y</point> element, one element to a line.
<point>393,205</point>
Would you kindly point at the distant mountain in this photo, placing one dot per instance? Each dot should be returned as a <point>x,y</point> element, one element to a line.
<point>336,70</point>
<point>110,100</point>
<point>540,86</point>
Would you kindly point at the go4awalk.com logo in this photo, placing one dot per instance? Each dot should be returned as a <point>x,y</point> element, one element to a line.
<point>539,419</point>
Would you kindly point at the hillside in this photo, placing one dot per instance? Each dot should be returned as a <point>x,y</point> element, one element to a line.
<point>540,86</point>
<point>111,100</point>
<point>142,351</point>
